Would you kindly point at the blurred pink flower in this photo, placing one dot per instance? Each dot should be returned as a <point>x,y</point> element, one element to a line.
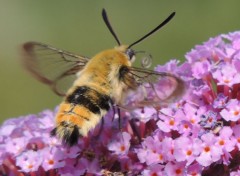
<point>209,151</point>
<point>29,161</point>
<point>121,144</point>
<point>232,111</point>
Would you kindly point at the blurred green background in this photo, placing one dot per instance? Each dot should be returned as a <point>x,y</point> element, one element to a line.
<point>77,26</point>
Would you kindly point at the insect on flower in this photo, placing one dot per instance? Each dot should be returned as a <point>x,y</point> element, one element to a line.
<point>97,83</point>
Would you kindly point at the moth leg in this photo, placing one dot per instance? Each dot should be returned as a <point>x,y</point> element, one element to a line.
<point>119,118</point>
<point>144,92</point>
<point>135,128</point>
<point>113,108</point>
<point>100,128</point>
<point>116,113</point>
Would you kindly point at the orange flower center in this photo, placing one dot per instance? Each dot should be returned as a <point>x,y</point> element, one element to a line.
<point>122,148</point>
<point>186,126</point>
<point>226,81</point>
<point>221,142</point>
<point>30,166</point>
<point>178,171</point>
<point>210,119</point>
<point>189,152</point>
<point>236,113</point>
<point>154,174</point>
<point>160,157</point>
<point>192,120</point>
<point>51,162</point>
<point>207,149</point>
<point>171,122</point>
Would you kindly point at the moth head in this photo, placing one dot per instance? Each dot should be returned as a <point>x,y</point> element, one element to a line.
<point>128,52</point>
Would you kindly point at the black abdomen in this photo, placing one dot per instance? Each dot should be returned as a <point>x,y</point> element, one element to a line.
<point>89,98</point>
<point>73,120</point>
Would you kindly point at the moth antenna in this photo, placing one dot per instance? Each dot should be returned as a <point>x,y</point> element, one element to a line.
<point>105,19</point>
<point>155,29</point>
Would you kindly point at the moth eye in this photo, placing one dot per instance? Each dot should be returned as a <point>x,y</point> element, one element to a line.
<point>131,54</point>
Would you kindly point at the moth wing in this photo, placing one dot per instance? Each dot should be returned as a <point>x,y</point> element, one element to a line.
<point>54,67</point>
<point>152,87</point>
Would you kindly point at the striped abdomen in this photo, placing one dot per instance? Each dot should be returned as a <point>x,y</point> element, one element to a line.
<point>81,111</point>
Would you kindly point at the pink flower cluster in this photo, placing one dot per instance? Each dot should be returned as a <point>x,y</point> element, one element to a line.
<point>198,135</point>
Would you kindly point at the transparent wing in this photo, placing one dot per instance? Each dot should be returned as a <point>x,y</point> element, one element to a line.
<point>152,88</point>
<point>52,66</point>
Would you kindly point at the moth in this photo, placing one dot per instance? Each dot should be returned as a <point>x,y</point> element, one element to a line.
<point>92,85</point>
